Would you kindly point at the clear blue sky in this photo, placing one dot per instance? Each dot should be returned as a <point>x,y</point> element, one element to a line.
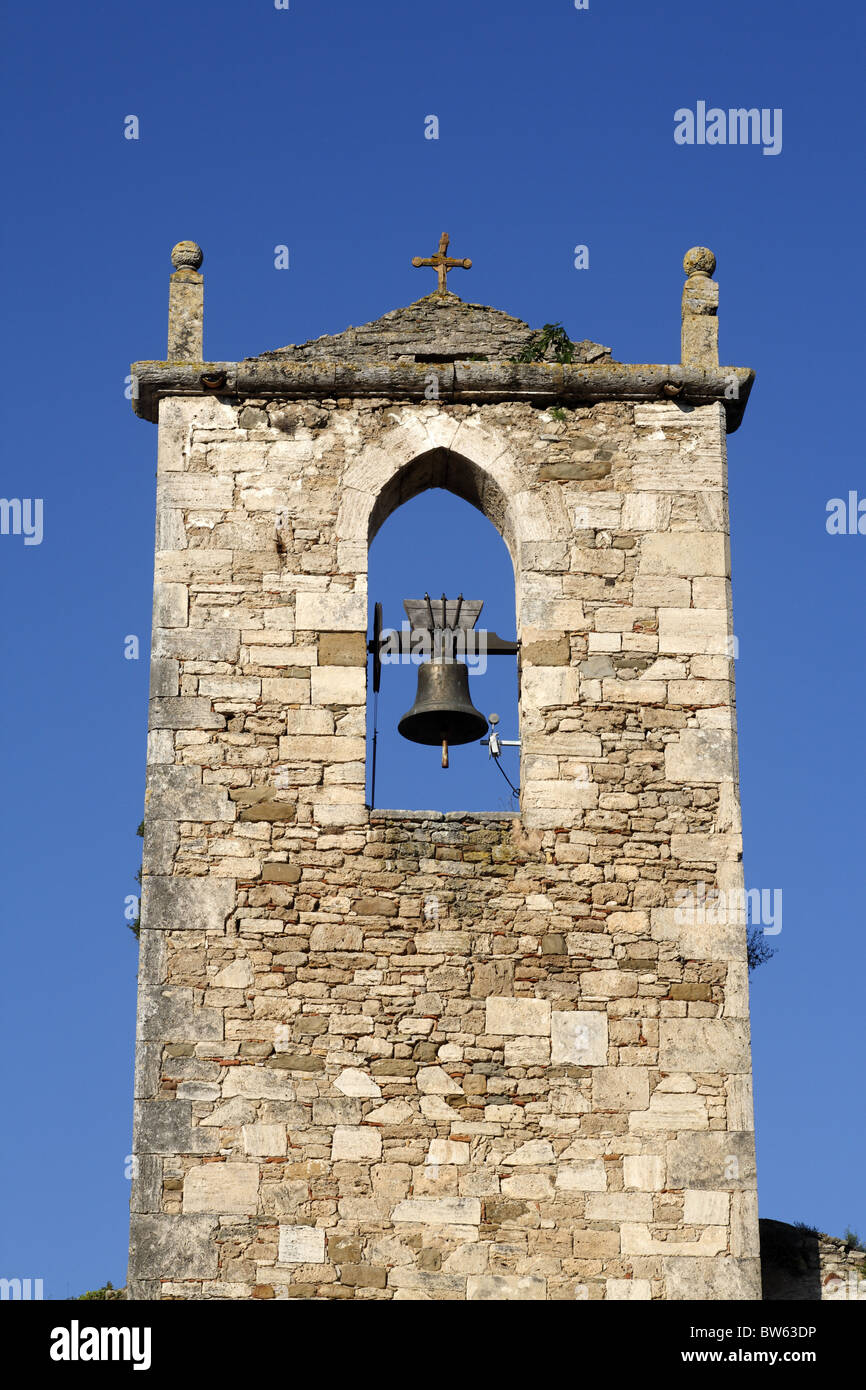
<point>261,127</point>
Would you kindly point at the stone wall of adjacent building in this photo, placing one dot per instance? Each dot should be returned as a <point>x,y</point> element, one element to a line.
<point>800,1263</point>
<point>400,1055</point>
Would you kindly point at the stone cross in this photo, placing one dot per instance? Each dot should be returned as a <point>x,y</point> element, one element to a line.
<point>442,263</point>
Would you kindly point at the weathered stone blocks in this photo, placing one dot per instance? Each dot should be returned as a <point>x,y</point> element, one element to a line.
<point>410,1056</point>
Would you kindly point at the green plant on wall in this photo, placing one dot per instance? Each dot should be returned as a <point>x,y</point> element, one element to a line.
<point>551,338</point>
<point>135,925</point>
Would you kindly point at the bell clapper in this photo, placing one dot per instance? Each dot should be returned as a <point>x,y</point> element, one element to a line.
<point>444,752</point>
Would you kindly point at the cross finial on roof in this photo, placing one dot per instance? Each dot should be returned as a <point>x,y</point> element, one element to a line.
<point>442,263</point>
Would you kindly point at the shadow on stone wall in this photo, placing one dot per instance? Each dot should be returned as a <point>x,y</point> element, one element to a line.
<point>805,1265</point>
<point>790,1262</point>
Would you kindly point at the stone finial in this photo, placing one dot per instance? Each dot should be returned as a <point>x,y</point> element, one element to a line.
<point>699,261</point>
<point>700,332</point>
<point>186,304</point>
<point>186,254</point>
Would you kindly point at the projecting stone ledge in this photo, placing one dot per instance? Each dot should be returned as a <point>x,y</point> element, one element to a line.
<point>542,382</point>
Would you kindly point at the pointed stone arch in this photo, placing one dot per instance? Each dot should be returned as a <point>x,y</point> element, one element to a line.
<point>461,455</point>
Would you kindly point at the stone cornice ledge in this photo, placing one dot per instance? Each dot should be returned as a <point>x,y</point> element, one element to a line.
<point>457,381</point>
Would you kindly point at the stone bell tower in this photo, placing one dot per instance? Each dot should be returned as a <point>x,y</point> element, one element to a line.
<point>541,1090</point>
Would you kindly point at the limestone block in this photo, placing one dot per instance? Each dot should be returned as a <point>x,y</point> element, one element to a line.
<point>353,1024</point>
<point>336,1110</point>
<point>619,1206</point>
<point>638,1240</point>
<point>586,1177</point>
<point>737,990</point>
<point>741,1114</point>
<point>505,1288</point>
<point>168,1014</point>
<point>447,1151</point>
<point>604,641</point>
<point>165,1127</point>
<point>687,630</point>
<point>354,1082</point>
<point>745,1239</point>
<point>222,1189</point>
<point>202,491</point>
<point>439,1211</point>
<point>668,1111</point>
<point>661,591</point>
<point>176,793</point>
<point>699,940</point>
<point>724,1279</point>
<point>342,649</point>
<point>688,554</point>
<point>645,1172</point>
<point>271,656</point>
<point>633,692</point>
<point>579,1036</point>
<point>704,1044</point>
<point>198,1090</point>
<point>695,849</point>
<point>657,467</point>
<point>608,984</point>
<point>258,1083</point>
<point>340,748</point>
<point>628,1289</point>
<point>160,842</point>
<point>435,1081</point>
<point>184,712</point>
<point>595,1245</point>
<point>646,511</point>
<point>236,975</point>
<point>543,687</point>
<point>668,415</point>
<point>533,1152</point>
<point>337,685</point>
<point>356,1142</point>
<point>702,1207</point>
<point>434,1108</point>
<point>700,692</point>
<point>340,936</point>
<point>525,1017</point>
<point>160,747</point>
<point>620,619</point>
<point>269,1141</point>
<point>620,1088</point>
<point>527,1052</point>
<point>170,605</point>
<point>709,592</point>
<point>595,511</point>
<point>700,755</point>
<point>533,1187</point>
<point>420,1285</point>
<point>175,1247</point>
<point>186,904</point>
<point>197,644</point>
<point>716,1160</point>
<point>562,792</point>
<point>301,1245</point>
<point>338,610</point>
<point>394,1112</point>
<point>247,688</point>
<point>198,565</point>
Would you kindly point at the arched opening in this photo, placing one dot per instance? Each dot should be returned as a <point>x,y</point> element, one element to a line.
<point>426,539</point>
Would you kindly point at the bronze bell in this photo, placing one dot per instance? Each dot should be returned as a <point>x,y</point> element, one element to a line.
<point>443,711</point>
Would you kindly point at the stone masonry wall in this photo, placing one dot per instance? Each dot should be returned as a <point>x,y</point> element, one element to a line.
<point>388,1055</point>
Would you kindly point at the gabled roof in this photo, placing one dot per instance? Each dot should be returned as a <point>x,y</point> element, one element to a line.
<point>437,328</point>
